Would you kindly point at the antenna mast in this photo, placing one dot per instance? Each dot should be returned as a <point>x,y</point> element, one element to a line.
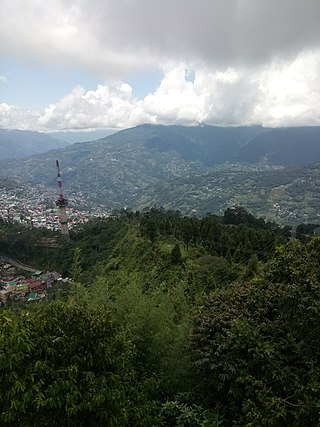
<point>62,203</point>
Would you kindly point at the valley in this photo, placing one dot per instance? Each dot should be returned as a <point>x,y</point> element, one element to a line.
<point>193,169</point>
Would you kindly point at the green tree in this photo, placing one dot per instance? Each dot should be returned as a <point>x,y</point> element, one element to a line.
<point>176,256</point>
<point>181,414</point>
<point>67,364</point>
<point>252,268</point>
<point>76,269</point>
<point>158,324</point>
<point>187,231</point>
<point>151,229</point>
<point>255,345</point>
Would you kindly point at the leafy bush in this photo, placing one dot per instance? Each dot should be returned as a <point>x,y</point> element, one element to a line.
<point>256,345</point>
<point>67,364</point>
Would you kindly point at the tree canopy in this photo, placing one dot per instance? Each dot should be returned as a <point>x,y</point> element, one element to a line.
<point>169,321</point>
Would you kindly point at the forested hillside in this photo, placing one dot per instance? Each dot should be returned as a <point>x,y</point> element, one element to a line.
<point>284,195</point>
<point>170,321</point>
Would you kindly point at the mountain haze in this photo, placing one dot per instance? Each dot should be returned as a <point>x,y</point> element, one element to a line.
<point>284,146</point>
<point>81,136</point>
<point>16,144</point>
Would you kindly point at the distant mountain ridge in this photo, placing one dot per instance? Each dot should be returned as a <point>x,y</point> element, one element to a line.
<point>119,169</point>
<point>211,145</point>
<point>180,167</point>
<point>284,146</point>
<point>81,136</point>
<point>15,144</point>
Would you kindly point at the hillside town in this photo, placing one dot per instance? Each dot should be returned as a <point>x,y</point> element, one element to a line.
<point>16,285</point>
<point>36,207</point>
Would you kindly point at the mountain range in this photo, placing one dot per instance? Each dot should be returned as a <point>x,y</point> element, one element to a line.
<point>81,136</point>
<point>195,169</point>
<point>15,144</point>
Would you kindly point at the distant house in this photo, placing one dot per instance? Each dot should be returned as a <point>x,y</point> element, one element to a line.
<point>34,296</point>
<point>36,285</point>
<point>18,279</point>
<point>6,266</point>
<point>12,284</point>
<point>49,278</point>
<point>22,288</point>
<point>37,273</point>
<point>7,270</point>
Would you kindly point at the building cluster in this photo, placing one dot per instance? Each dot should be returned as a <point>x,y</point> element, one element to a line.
<point>36,207</point>
<point>15,287</point>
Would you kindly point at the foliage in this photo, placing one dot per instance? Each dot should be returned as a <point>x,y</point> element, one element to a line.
<point>157,323</point>
<point>180,321</point>
<point>179,414</point>
<point>67,364</point>
<point>255,345</point>
<point>76,268</point>
<point>176,256</point>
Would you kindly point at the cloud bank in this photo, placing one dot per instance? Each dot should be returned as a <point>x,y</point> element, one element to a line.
<point>277,96</point>
<point>113,36</point>
<point>253,61</point>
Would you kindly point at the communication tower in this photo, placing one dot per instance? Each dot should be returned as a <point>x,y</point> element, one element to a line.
<point>62,204</point>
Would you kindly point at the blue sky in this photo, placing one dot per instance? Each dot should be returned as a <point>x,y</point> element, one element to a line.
<point>34,86</point>
<point>111,64</point>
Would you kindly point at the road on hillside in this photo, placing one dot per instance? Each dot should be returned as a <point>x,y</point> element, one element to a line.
<point>17,264</point>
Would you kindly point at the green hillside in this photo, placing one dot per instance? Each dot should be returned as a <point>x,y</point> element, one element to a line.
<point>288,195</point>
<point>170,321</point>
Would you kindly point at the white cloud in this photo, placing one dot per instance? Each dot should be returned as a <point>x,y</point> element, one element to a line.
<point>12,117</point>
<point>3,79</point>
<point>107,106</point>
<point>254,61</point>
<point>175,101</point>
<point>290,92</point>
<point>285,93</point>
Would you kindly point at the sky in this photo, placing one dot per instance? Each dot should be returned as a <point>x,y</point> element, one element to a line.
<point>114,64</point>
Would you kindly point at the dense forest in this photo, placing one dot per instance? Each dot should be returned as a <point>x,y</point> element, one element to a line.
<point>168,321</point>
